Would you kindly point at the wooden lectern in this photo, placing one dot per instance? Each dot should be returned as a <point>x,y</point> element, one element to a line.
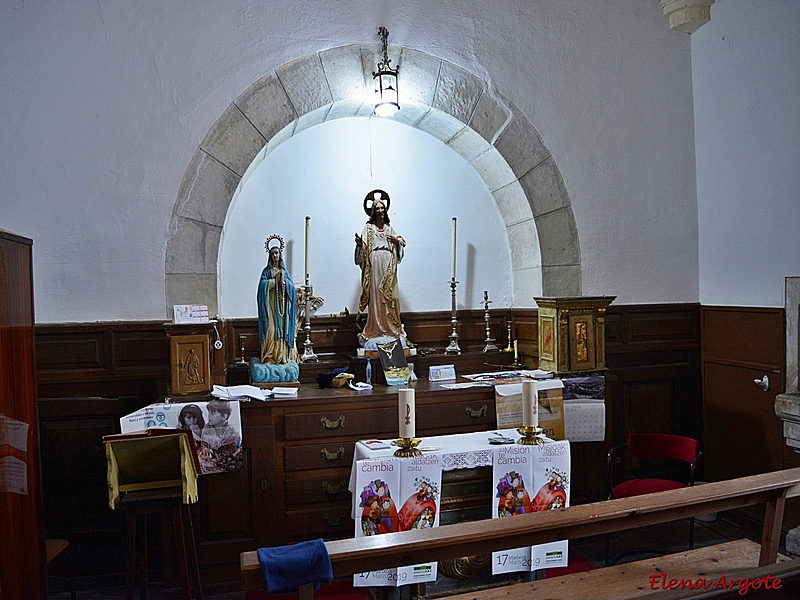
<point>155,472</point>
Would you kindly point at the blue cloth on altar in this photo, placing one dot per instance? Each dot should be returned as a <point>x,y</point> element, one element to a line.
<point>286,568</point>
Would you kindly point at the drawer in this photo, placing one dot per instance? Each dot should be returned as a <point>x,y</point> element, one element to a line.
<point>318,456</point>
<point>355,424</point>
<point>319,489</point>
<point>467,415</point>
<point>328,519</point>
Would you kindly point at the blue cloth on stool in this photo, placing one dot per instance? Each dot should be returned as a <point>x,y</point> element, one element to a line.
<point>286,568</point>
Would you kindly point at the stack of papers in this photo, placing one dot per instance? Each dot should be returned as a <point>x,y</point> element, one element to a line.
<point>245,393</point>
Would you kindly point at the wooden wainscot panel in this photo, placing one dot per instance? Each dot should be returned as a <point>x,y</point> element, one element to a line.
<point>663,327</point>
<point>744,336</point>
<point>74,486</point>
<point>69,348</point>
<point>227,503</point>
<point>102,359</point>
<point>138,349</point>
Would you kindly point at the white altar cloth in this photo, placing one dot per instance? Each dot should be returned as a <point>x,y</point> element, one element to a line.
<point>458,451</point>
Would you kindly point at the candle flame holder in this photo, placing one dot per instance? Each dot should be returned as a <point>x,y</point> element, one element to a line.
<point>531,436</point>
<point>490,341</point>
<point>241,360</point>
<point>407,447</point>
<point>453,347</point>
<point>308,346</point>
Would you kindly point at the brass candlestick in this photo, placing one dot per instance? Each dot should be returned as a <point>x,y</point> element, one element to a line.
<point>407,447</point>
<point>516,364</point>
<point>308,347</point>
<point>453,347</point>
<point>490,345</point>
<point>508,329</point>
<point>241,360</point>
<point>531,436</point>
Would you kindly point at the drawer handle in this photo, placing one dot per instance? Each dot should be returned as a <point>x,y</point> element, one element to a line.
<point>331,425</point>
<point>333,522</point>
<point>264,484</point>
<point>477,414</point>
<point>332,456</point>
<point>332,489</point>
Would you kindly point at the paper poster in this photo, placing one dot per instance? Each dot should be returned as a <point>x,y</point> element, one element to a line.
<point>14,433</point>
<point>513,480</point>
<point>216,425</point>
<point>13,475</point>
<point>585,389</point>
<point>190,313</point>
<point>508,406</point>
<point>551,469</point>
<point>530,479</point>
<point>397,494</point>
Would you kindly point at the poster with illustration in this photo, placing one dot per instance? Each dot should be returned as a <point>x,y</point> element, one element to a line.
<point>551,471</point>
<point>530,479</point>
<point>397,494</point>
<point>216,427</point>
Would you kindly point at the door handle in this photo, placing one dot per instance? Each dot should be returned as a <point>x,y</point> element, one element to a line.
<point>763,383</point>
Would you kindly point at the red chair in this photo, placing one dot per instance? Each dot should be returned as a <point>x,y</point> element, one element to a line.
<point>660,462</point>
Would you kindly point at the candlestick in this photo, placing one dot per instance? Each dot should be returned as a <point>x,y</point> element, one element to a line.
<point>490,345</point>
<point>453,251</point>
<point>241,360</point>
<point>530,404</point>
<point>508,348</point>
<point>308,221</point>
<point>453,347</point>
<point>406,412</point>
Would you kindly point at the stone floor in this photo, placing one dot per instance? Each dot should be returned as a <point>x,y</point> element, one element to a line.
<point>669,537</point>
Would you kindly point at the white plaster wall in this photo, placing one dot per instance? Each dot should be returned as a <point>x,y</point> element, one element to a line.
<point>104,103</point>
<point>340,161</point>
<point>747,120</point>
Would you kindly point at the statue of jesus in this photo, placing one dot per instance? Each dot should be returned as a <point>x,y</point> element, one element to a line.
<point>379,249</point>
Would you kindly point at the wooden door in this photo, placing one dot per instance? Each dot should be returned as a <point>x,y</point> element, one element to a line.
<point>742,434</point>
<point>22,553</point>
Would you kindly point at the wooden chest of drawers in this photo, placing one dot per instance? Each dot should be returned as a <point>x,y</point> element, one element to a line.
<point>297,458</point>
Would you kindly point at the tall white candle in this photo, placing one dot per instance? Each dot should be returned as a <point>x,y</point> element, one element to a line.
<point>406,412</point>
<point>453,251</point>
<point>530,404</point>
<point>308,221</point>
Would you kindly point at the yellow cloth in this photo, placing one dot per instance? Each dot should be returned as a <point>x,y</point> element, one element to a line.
<point>150,462</point>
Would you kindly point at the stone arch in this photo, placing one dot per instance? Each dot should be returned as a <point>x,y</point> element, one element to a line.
<point>437,97</point>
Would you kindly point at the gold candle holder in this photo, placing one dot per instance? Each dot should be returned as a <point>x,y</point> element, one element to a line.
<point>531,436</point>
<point>407,447</point>
<point>241,360</point>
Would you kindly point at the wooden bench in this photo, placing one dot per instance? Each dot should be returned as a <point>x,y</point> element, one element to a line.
<point>632,580</point>
<point>480,537</point>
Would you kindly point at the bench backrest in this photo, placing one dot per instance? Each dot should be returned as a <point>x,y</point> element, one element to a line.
<point>480,537</point>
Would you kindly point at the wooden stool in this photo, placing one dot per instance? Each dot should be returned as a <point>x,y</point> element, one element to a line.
<point>54,548</point>
<point>168,503</point>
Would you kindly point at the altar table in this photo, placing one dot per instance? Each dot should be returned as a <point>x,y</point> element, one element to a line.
<point>524,479</point>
